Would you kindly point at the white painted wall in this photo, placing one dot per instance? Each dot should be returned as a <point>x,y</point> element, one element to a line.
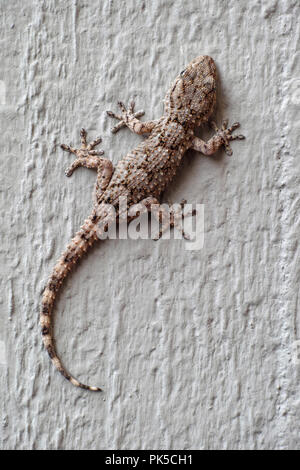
<point>194,350</point>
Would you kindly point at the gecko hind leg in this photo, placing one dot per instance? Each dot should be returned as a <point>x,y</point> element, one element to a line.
<point>85,155</point>
<point>171,217</point>
<point>130,119</point>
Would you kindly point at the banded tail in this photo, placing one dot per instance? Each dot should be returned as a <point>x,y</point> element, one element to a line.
<point>78,246</point>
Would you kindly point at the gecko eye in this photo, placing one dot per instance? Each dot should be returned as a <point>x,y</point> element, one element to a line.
<point>182,73</point>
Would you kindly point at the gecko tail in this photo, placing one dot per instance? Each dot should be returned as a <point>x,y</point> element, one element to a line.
<point>78,246</point>
<point>47,339</point>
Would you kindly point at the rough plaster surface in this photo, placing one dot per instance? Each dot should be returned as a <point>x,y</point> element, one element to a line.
<point>193,349</point>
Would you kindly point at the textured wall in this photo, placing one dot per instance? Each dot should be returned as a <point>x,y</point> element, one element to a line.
<point>193,349</point>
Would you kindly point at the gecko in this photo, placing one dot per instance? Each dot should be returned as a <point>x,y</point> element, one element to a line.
<point>142,175</point>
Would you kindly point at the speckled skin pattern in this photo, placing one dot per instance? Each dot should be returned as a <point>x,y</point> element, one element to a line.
<point>143,174</point>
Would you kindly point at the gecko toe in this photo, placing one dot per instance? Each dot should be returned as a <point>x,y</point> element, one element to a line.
<point>122,106</point>
<point>68,172</point>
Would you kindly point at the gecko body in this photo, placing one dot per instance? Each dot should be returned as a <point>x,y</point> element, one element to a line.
<point>142,175</point>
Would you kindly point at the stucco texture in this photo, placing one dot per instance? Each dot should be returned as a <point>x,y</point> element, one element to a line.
<point>194,349</point>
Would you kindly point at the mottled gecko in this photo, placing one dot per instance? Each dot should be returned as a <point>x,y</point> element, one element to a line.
<point>143,174</point>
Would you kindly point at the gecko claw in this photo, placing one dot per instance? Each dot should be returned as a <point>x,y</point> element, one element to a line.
<point>122,106</point>
<point>83,135</point>
<point>68,172</point>
<point>67,148</point>
<point>113,115</point>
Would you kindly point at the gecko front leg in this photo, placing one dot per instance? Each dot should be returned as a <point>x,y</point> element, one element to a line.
<point>130,119</point>
<point>89,158</point>
<point>222,137</point>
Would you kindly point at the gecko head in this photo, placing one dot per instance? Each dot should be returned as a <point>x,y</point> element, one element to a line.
<point>192,95</point>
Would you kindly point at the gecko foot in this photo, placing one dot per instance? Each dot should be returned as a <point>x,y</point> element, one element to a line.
<point>85,155</point>
<point>126,115</point>
<point>225,133</point>
<point>176,215</point>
